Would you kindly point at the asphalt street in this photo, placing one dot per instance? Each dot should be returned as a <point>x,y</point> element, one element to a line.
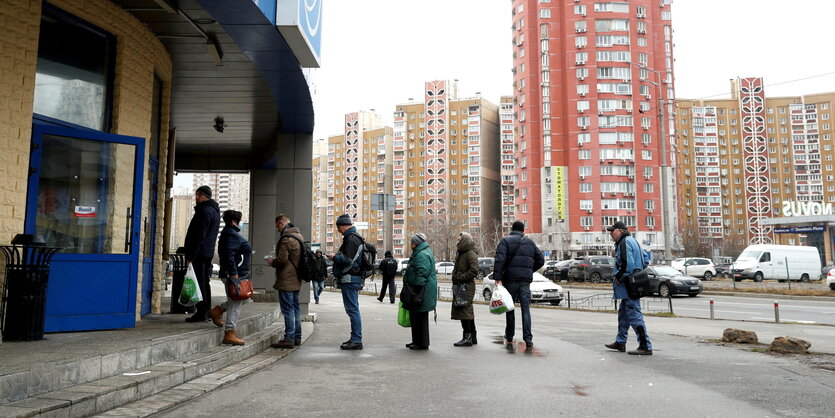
<point>568,372</point>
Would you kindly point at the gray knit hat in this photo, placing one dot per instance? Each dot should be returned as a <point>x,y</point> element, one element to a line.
<point>205,191</point>
<point>418,238</point>
<point>344,219</point>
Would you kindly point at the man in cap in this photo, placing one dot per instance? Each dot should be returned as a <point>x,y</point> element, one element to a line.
<point>628,260</point>
<point>348,276</point>
<point>201,238</point>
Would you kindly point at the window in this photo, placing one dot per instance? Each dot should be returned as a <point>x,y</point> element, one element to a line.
<point>584,154</point>
<point>545,13</point>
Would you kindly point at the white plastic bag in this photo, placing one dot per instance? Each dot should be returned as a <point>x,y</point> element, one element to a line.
<point>190,293</point>
<point>501,301</point>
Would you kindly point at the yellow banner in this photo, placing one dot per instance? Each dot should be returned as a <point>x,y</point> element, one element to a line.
<point>560,187</point>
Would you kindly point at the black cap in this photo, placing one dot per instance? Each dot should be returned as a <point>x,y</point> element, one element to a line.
<point>617,225</point>
<point>518,226</point>
<point>205,190</point>
<point>344,219</point>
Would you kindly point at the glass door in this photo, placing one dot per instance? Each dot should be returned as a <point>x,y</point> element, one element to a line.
<point>84,196</point>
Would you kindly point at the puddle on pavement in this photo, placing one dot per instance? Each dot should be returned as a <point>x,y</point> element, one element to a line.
<point>519,347</point>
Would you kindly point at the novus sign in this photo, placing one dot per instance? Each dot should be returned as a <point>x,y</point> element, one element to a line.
<point>792,208</point>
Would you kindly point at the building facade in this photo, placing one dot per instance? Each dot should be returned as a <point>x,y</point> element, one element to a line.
<point>749,164</point>
<point>593,91</point>
<point>230,190</point>
<point>507,117</point>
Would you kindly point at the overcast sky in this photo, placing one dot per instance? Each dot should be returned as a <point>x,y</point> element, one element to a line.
<point>378,53</point>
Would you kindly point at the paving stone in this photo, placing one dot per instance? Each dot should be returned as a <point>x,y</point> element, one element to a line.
<point>42,405</point>
<point>14,386</point>
<point>13,411</point>
<point>114,399</point>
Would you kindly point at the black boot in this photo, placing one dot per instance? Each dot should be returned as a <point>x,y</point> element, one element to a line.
<point>466,341</point>
<point>473,337</point>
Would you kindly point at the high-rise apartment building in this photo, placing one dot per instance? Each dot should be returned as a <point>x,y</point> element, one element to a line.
<point>508,161</point>
<point>230,190</point>
<point>744,161</point>
<point>318,226</point>
<point>593,91</point>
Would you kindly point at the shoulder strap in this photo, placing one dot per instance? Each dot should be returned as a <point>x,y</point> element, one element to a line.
<point>301,250</point>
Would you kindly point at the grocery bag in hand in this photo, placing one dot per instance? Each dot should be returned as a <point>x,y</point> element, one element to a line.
<point>501,301</point>
<point>403,317</point>
<point>190,294</point>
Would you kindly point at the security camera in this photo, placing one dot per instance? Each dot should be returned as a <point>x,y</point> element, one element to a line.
<point>219,125</point>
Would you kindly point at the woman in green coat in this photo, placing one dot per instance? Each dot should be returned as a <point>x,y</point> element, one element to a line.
<point>420,277</point>
<point>464,274</point>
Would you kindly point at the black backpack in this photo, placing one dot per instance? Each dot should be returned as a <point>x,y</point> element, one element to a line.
<point>307,268</point>
<point>369,256</point>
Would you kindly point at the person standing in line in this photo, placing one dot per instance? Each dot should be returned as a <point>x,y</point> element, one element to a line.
<point>321,273</point>
<point>517,258</point>
<point>628,259</point>
<point>348,276</point>
<point>464,273</point>
<point>201,238</point>
<point>234,252</point>
<point>388,266</point>
<point>420,278</point>
<point>288,253</point>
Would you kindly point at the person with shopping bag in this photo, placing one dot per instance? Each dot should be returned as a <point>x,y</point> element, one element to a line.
<point>200,241</point>
<point>234,252</point>
<point>517,258</point>
<point>463,288</point>
<point>420,291</point>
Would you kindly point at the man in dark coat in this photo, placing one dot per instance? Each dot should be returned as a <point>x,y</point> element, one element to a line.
<point>517,258</point>
<point>388,266</point>
<point>348,276</point>
<point>201,239</point>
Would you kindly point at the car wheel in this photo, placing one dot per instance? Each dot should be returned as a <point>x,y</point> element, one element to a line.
<point>804,278</point>
<point>556,302</point>
<point>708,275</point>
<point>758,277</point>
<point>595,277</point>
<point>832,286</point>
<point>664,290</point>
<point>692,295</point>
<point>487,294</point>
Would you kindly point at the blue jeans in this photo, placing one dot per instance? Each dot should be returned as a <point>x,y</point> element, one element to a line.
<point>318,287</point>
<point>350,299</point>
<point>629,314</point>
<point>521,293</point>
<point>292,312</point>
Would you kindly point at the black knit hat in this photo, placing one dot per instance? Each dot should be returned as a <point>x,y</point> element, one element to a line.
<point>344,219</point>
<point>518,226</point>
<point>205,190</point>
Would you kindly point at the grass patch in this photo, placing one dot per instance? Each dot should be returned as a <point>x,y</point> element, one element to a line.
<point>771,291</point>
<point>760,349</point>
<point>662,314</point>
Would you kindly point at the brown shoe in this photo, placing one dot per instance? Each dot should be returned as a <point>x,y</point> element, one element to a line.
<point>231,337</point>
<point>216,314</point>
<point>641,352</point>
<point>283,344</point>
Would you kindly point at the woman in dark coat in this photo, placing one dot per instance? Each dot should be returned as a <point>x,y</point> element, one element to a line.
<point>420,277</point>
<point>464,273</point>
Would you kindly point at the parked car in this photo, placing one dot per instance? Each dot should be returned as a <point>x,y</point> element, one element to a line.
<point>766,261</point>
<point>830,279</point>
<point>486,265</point>
<point>444,267</point>
<point>723,270</point>
<point>215,270</point>
<point>669,281</point>
<point>826,269</point>
<point>591,268</point>
<point>695,266</point>
<point>542,289</point>
<point>402,263</point>
<point>557,270</point>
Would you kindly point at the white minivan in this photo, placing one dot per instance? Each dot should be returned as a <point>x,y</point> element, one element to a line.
<point>766,261</point>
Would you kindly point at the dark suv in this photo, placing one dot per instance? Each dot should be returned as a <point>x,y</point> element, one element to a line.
<point>591,268</point>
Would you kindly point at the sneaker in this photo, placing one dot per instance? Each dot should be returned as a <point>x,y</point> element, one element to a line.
<point>351,346</point>
<point>616,346</point>
<point>317,302</point>
<point>528,345</point>
<point>641,352</point>
<point>283,344</point>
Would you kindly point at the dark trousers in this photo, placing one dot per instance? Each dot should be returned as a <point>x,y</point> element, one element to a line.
<point>468,325</point>
<point>420,328</point>
<point>388,282</point>
<point>521,294</point>
<point>203,270</point>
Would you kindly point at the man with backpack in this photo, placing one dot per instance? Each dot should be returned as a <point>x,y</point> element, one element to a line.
<point>517,258</point>
<point>348,275</point>
<point>389,268</point>
<point>288,262</point>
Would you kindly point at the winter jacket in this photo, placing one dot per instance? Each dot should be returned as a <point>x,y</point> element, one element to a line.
<point>388,267</point>
<point>527,259</point>
<point>321,269</point>
<point>465,271</point>
<point>628,259</point>
<point>343,261</point>
<point>234,252</point>
<point>287,258</point>
<point>421,274</point>
<point>201,235</point>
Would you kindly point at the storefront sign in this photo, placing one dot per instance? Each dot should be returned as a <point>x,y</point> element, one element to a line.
<point>300,22</point>
<point>558,175</point>
<point>792,208</point>
<point>800,229</point>
<point>85,212</point>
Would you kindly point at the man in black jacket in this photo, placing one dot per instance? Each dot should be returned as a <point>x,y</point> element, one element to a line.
<point>388,266</point>
<point>201,239</point>
<point>517,258</point>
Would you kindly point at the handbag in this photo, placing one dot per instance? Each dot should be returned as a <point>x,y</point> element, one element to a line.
<point>637,284</point>
<point>459,296</point>
<point>403,318</point>
<point>411,298</point>
<point>240,288</point>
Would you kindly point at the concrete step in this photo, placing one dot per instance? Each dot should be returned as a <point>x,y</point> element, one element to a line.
<point>103,395</point>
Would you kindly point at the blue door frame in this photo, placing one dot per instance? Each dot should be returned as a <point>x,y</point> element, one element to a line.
<point>89,291</point>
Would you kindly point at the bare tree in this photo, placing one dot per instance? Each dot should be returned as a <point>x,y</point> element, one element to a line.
<point>694,247</point>
<point>442,234</point>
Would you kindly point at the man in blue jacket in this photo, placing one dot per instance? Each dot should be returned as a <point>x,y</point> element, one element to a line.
<point>628,260</point>
<point>348,276</point>
<point>517,258</point>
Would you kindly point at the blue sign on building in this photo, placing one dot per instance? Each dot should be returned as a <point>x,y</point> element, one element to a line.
<point>300,23</point>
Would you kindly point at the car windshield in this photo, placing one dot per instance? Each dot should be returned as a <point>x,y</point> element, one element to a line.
<point>666,271</point>
<point>752,255</point>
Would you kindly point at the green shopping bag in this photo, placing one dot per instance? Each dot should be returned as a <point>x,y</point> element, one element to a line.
<point>403,317</point>
<point>190,294</point>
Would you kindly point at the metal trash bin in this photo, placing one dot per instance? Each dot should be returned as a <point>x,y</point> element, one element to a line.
<point>179,275</point>
<point>24,294</point>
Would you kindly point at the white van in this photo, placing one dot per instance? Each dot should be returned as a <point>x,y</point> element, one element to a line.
<point>766,261</point>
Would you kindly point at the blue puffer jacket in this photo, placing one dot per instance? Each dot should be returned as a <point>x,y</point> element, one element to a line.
<point>234,252</point>
<point>527,259</point>
<point>628,258</point>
